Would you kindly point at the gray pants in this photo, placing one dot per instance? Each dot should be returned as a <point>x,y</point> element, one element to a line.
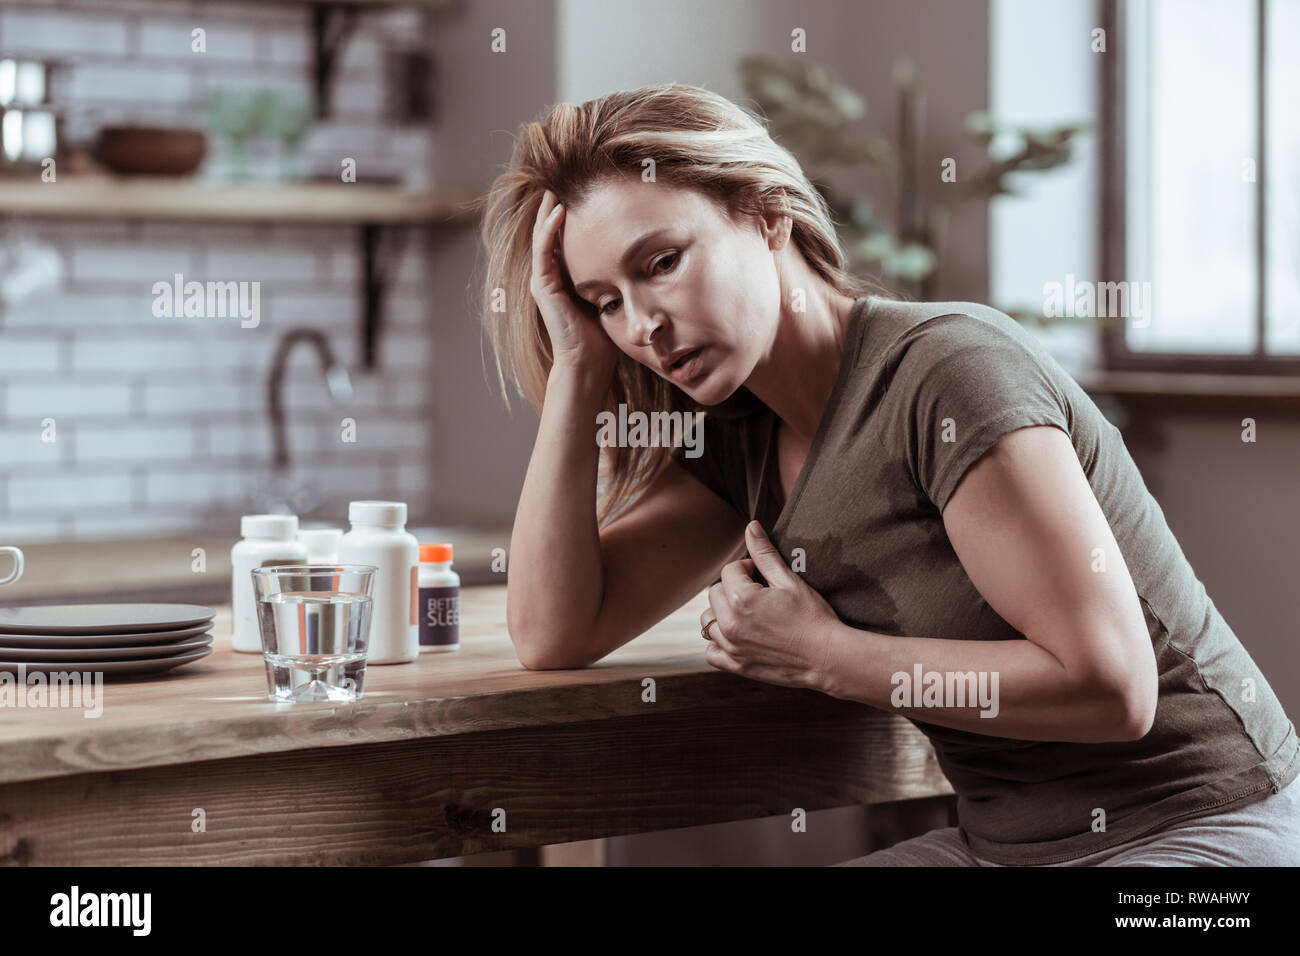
<point>1265,833</point>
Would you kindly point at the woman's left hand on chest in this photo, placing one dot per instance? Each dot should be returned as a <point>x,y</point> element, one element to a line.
<point>778,634</point>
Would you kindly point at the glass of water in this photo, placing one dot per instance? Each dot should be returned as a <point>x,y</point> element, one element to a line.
<point>315,624</point>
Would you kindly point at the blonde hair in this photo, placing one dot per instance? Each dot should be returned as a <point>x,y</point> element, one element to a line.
<point>698,140</point>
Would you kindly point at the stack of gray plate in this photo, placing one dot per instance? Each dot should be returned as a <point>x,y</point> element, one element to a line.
<point>115,639</point>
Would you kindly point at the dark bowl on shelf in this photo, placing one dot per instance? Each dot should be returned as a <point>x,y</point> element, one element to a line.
<point>149,150</point>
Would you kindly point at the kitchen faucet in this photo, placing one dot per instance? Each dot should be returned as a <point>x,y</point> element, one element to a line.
<point>282,495</point>
<point>336,379</point>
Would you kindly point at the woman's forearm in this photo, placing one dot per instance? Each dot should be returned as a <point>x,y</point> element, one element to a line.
<point>554,583</point>
<point>1024,689</point>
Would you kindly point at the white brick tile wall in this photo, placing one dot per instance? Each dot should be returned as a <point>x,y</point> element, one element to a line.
<point>220,233</point>
<point>409,393</point>
<point>38,32</point>
<point>376,435</point>
<point>212,76</point>
<point>399,349</point>
<point>136,265</point>
<point>363,54</point>
<point>362,97</point>
<point>116,523</point>
<point>250,440</point>
<point>357,476</point>
<point>308,392</point>
<point>120,6</point>
<point>313,237</point>
<point>25,529</point>
<point>410,275</point>
<point>28,355</point>
<point>260,261</point>
<point>189,486</point>
<point>143,353</point>
<point>65,402</point>
<point>410,310</point>
<point>161,422</point>
<point>68,492</point>
<point>21,445</point>
<point>343,266</point>
<point>289,47</point>
<point>95,81</point>
<point>336,139</point>
<point>69,309</point>
<point>164,38</point>
<point>334,311</point>
<point>193,398</point>
<point>414,484</point>
<point>133,443</point>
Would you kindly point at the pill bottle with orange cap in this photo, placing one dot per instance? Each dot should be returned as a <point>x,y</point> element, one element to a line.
<point>439,599</point>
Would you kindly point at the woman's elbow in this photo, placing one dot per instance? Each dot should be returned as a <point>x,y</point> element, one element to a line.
<point>551,662</point>
<point>542,652</point>
<point>1139,715</point>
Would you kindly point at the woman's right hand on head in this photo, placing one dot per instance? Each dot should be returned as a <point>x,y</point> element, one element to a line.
<point>577,339</point>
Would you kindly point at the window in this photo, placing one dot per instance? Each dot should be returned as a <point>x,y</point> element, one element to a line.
<point>1201,183</point>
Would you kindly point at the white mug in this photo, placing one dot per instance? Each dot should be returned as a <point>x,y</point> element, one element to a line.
<point>18,565</point>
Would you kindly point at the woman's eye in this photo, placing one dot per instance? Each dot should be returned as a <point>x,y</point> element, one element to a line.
<point>673,256</point>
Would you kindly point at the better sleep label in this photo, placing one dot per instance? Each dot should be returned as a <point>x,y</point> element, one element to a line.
<point>439,616</point>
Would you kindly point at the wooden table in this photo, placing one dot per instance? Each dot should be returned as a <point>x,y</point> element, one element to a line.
<point>199,767</point>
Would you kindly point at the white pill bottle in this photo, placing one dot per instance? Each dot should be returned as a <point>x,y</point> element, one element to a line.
<point>378,536</point>
<point>267,540</point>
<point>322,544</point>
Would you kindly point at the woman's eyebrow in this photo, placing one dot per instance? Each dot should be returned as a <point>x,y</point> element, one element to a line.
<point>631,251</point>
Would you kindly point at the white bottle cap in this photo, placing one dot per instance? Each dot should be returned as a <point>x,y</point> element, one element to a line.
<point>322,544</point>
<point>388,513</point>
<point>275,527</point>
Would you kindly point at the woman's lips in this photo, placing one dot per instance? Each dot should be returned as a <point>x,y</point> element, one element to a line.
<point>688,369</point>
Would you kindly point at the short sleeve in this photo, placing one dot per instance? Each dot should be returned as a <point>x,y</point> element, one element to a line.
<point>966,382</point>
<point>717,462</point>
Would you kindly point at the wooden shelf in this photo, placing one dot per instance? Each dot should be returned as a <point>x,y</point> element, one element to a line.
<point>172,198</point>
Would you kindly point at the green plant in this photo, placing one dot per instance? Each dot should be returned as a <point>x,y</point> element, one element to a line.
<point>816,116</point>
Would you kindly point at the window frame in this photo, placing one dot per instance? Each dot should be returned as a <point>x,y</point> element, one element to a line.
<point>1112,253</point>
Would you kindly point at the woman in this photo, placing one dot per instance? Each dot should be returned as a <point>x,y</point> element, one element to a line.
<point>945,524</point>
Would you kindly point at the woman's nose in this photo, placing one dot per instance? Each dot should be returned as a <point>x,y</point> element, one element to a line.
<point>645,328</point>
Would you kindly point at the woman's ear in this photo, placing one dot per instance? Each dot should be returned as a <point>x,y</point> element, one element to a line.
<point>777,223</point>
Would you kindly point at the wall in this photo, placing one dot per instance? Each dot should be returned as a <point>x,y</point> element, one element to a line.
<point>482,447</point>
<point>859,42</point>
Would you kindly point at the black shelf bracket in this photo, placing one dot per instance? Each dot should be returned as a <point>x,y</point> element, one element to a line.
<point>332,24</point>
<point>379,262</point>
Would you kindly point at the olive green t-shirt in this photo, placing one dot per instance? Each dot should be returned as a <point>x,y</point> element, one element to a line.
<point>923,390</point>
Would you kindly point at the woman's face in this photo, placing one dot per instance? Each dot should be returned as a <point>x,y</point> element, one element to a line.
<point>697,301</point>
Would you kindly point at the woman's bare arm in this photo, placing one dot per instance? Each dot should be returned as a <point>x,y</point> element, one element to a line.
<point>575,593</point>
<point>1028,530</point>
